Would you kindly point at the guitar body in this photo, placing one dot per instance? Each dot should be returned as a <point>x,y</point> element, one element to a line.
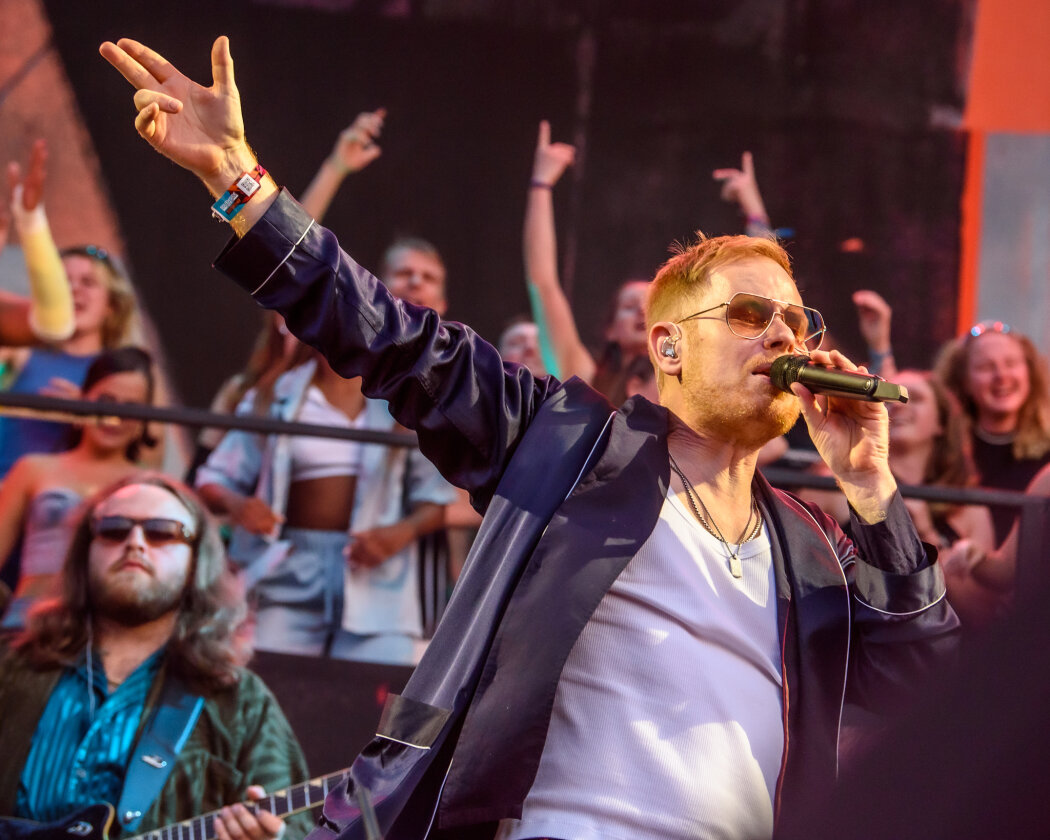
<point>92,823</point>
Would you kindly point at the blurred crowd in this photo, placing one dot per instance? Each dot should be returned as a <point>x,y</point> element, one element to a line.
<point>348,549</point>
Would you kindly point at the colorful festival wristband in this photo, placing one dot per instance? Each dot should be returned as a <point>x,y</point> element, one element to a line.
<point>232,201</point>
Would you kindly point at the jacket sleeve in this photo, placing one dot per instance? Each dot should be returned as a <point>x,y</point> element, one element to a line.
<point>439,377</point>
<point>903,628</point>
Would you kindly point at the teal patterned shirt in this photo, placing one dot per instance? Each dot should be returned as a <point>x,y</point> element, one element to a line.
<point>83,742</point>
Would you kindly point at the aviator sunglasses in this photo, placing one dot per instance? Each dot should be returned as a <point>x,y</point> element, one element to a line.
<point>157,531</point>
<point>749,316</point>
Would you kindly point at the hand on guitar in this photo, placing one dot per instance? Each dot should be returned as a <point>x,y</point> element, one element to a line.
<point>235,822</point>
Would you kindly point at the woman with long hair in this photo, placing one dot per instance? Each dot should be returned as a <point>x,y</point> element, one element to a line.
<point>1000,380</point>
<point>105,317</point>
<point>41,490</point>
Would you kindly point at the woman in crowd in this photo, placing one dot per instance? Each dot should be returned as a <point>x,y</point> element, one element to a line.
<point>276,351</point>
<point>105,317</point>
<point>293,500</point>
<point>999,378</point>
<point>42,489</point>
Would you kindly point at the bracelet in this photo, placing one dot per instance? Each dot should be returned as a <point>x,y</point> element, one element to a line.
<point>758,220</point>
<point>537,184</point>
<point>876,358</point>
<point>232,201</point>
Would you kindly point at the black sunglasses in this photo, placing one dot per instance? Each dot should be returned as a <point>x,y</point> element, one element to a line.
<point>156,530</point>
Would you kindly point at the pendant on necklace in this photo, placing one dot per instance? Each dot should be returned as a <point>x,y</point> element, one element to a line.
<point>735,569</point>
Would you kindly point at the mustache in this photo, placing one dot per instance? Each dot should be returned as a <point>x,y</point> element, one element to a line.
<point>131,556</point>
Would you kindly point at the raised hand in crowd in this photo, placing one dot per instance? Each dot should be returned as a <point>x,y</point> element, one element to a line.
<point>740,187</point>
<point>354,149</point>
<point>566,355</point>
<point>874,315</point>
<point>48,313</point>
<point>551,159</point>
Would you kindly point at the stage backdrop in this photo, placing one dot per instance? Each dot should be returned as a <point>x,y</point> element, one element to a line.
<point>849,107</point>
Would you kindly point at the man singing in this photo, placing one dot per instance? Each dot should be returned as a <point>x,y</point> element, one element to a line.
<point>648,640</point>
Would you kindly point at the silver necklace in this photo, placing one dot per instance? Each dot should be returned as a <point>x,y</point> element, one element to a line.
<point>708,521</point>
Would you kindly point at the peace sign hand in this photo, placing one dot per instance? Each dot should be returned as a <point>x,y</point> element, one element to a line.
<point>199,128</point>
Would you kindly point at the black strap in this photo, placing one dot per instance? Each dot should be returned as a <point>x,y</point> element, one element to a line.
<point>154,756</point>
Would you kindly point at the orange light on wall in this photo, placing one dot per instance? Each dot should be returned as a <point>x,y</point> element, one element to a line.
<point>1009,93</point>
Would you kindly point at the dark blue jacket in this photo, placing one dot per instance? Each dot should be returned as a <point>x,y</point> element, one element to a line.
<point>570,489</point>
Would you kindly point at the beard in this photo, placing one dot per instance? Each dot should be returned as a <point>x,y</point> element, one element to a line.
<point>133,602</point>
<point>733,416</point>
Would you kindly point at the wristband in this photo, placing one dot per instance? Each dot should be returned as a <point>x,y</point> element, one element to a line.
<point>537,184</point>
<point>877,358</point>
<point>232,201</point>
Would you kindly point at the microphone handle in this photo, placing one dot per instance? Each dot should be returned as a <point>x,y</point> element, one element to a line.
<point>882,391</point>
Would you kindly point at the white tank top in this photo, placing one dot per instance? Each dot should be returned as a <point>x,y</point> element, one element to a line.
<point>316,457</point>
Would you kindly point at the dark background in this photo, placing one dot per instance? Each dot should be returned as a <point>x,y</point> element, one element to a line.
<point>849,106</point>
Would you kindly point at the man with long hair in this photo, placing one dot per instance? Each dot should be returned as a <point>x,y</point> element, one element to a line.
<point>147,619</point>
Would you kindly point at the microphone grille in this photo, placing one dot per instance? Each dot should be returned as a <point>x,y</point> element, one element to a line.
<point>785,370</point>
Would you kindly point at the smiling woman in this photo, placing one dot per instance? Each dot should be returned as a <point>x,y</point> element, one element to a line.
<point>1001,381</point>
<point>39,493</point>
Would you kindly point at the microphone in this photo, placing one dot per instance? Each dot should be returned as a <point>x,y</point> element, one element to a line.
<point>833,382</point>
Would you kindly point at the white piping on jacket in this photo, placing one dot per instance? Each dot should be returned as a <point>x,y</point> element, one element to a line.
<point>286,258</point>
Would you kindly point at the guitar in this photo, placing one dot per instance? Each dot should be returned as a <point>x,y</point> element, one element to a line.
<point>95,822</point>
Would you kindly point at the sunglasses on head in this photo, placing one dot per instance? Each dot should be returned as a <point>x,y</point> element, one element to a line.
<point>988,326</point>
<point>749,316</point>
<point>156,530</point>
<point>92,251</point>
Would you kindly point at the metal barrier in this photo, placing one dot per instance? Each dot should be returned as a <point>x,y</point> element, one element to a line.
<point>1033,533</point>
<point>71,411</point>
<point>1033,530</point>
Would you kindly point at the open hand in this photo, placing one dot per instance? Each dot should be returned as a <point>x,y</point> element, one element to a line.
<point>551,159</point>
<point>29,190</point>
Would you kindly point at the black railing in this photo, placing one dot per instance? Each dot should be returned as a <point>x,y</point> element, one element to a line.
<point>1033,530</point>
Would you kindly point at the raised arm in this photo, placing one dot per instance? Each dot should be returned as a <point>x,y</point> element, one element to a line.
<point>354,149</point>
<point>540,248</point>
<point>439,378</point>
<point>199,128</point>
<point>874,315</point>
<point>48,314</point>
<point>740,187</point>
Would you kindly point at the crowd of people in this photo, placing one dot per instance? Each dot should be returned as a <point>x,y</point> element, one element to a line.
<point>619,525</point>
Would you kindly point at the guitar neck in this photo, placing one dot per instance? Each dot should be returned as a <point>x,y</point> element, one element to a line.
<point>282,803</point>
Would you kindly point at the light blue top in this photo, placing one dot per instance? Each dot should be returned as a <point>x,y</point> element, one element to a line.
<point>391,481</point>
